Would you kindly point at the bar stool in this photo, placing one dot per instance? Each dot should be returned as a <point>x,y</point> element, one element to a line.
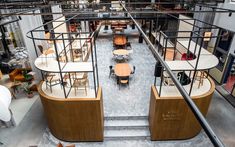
<point>200,76</point>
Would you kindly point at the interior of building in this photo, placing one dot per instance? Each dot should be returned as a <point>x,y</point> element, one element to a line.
<point>84,73</point>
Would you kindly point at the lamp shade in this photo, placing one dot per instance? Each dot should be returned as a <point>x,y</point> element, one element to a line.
<point>5,100</point>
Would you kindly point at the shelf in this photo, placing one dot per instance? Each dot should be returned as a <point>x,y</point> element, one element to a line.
<point>53,66</point>
<point>206,59</point>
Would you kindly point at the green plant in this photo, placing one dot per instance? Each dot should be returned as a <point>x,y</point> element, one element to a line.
<point>27,76</point>
<point>26,88</point>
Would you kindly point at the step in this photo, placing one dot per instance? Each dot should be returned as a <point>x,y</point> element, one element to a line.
<point>127,134</point>
<point>126,118</point>
<point>126,124</point>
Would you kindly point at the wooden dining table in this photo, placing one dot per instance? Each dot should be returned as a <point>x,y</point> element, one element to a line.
<point>120,40</point>
<point>120,52</point>
<point>122,70</point>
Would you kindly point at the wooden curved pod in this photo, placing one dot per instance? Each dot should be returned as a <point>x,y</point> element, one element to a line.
<point>74,119</point>
<point>172,119</point>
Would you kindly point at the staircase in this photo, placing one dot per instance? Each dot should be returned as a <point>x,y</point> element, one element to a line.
<point>126,127</point>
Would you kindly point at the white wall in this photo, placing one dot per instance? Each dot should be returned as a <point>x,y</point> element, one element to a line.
<point>27,23</point>
<point>56,9</point>
<point>62,27</point>
<point>184,26</point>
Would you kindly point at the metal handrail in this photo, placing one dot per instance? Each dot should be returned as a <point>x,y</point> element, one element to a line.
<point>199,116</point>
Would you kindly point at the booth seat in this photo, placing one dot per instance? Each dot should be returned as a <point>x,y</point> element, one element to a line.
<point>18,74</point>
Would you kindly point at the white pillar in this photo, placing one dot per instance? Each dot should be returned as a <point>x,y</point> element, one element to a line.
<point>27,23</point>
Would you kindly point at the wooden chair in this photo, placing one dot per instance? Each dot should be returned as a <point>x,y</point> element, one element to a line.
<point>123,81</point>
<point>77,55</point>
<point>45,51</point>
<point>200,76</point>
<point>81,83</point>
<point>52,79</point>
<point>129,48</point>
<point>48,36</point>
<point>111,71</point>
<point>62,58</point>
<point>133,71</point>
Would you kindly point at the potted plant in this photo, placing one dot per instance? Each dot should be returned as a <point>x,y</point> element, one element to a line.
<point>27,90</point>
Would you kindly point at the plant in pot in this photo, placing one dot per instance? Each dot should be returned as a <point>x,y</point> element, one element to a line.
<point>27,90</point>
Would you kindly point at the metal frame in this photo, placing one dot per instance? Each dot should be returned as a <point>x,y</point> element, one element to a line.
<point>61,37</point>
<point>192,36</point>
<point>214,139</point>
<point>130,4</point>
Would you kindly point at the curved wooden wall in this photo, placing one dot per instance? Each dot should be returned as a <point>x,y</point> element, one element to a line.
<point>74,119</point>
<point>171,118</point>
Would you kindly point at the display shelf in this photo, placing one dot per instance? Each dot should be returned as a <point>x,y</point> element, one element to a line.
<point>206,59</point>
<point>53,66</point>
<point>78,67</point>
<point>172,91</point>
<point>179,65</point>
<point>205,62</point>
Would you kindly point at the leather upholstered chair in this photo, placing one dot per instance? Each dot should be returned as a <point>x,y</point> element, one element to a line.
<point>18,74</point>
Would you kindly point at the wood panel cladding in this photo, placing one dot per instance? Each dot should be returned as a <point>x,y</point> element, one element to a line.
<point>170,118</point>
<point>74,119</point>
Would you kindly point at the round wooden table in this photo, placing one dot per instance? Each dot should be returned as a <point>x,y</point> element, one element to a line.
<point>120,52</point>
<point>120,40</point>
<point>122,70</point>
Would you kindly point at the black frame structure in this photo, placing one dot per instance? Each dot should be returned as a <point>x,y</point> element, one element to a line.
<point>195,35</point>
<point>88,40</point>
<point>89,14</point>
<point>137,8</point>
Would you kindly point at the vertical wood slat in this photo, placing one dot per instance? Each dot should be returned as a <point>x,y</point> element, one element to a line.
<point>74,119</point>
<point>171,118</point>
